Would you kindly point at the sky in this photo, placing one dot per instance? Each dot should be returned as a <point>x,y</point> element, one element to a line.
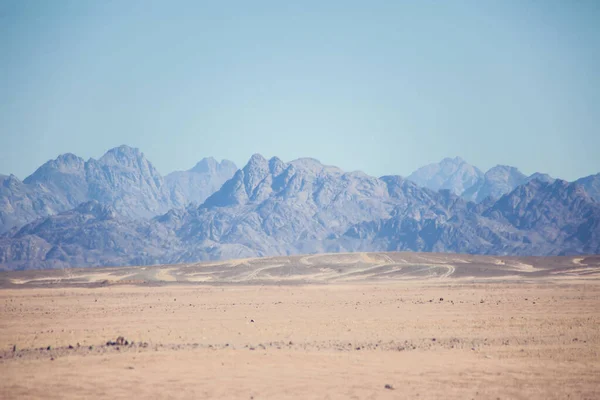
<point>379,86</point>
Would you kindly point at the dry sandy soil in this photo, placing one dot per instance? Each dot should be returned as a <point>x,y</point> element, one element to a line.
<point>324,327</point>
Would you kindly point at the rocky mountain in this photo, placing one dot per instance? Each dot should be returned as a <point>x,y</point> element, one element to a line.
<point>122,178</point>
<point>91,234</point>
<point>537,218</point>
<point>270,207</point>
<point>454,174</point>
<point>463,179</point>
<point>561,214</point>
<point>591,185</point>
<point>196,184</point>
<point>496,182</point>
<point>539,177</point>
<point>20,202</point>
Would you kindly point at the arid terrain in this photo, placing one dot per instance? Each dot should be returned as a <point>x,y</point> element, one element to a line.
<point>362,325</point>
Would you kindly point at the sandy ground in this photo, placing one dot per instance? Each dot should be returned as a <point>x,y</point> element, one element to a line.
<point>426,338</point>
<point>316,268</point>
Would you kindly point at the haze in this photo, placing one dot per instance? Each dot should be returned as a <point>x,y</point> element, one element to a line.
<point>384,87</point>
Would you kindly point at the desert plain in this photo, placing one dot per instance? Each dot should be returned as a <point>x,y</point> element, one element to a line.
<point>333,326</point>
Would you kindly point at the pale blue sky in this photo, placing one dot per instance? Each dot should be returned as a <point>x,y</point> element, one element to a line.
<point>384,87</point>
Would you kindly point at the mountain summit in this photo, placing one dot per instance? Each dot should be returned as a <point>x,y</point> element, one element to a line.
<point>454,174</point>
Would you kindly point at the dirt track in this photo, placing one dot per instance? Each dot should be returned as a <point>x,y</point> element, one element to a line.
<point>426,337</point>
<point>317,268</point>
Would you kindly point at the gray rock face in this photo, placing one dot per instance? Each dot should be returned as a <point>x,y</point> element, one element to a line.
<point>270,207</point>
<point>592,185</point>
<point>453,174</point>
<point>122,178</point>
<point>196,184</point>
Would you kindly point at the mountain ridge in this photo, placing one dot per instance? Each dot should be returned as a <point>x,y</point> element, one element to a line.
<point>84,213</point>
<point>463,179</point>
<point>122,177</point>
<point>270,207</point>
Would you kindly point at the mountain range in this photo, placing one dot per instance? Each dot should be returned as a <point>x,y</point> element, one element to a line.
<point>118,210</point>
<point>122,178</point>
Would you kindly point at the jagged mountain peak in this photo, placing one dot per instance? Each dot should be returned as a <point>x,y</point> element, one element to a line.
<point>591,184</point>
<point>539,176</point>
<point>69,159</point>
<point>256,160</point>
<point>497,181</point>
<point>276,166</point>
<point>9,180</point>
<point>504,169</point>
<point>454,174</point>
<point>207,164</point>
<point>124,150</point>
<point>198,183</point>
<point>124,155</point>
<point>453,160</point>
<point>67,163</point>
<point>314,166</point>
<point>241,187</point>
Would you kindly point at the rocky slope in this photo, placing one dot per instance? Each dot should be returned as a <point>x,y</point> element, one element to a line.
<point>20,203</point>
<point>591,184</point>
<point>538,218</point>
<point>91,234</point>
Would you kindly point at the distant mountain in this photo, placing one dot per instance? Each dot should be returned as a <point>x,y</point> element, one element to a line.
<point>453,174</point>
<point>463,179</point>
<point>91,234</point>
<point>270,207</point>
<point>122,178</point>
<point>20,203</point>
<point>537,218</point>
<point>496,182</point>
<point>196,184</point>
<point>561,214</point>
<point>592,185</point>
<point>540,177</point>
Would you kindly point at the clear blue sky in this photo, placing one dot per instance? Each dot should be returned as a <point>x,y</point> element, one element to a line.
<point>380,86</point>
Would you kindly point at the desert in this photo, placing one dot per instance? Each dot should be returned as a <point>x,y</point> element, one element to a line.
<point>356,325</point>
